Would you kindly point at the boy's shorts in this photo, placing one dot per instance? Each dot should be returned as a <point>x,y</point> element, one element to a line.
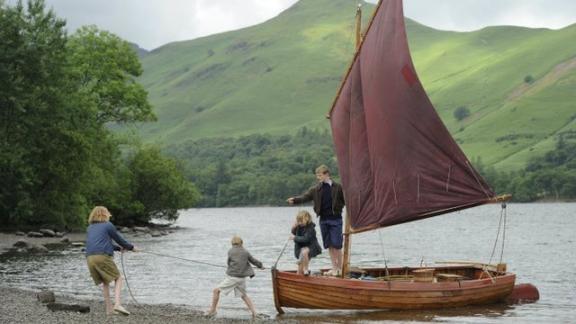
<point>331,233</point>
<point>233,283</point>
<point>102,268</point>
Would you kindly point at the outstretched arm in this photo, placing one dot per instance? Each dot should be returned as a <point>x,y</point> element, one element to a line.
<point>305,197</point>
<point>255,262</point>
<point>118,238</point>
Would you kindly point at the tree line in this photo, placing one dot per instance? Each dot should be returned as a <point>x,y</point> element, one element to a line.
<point>551,177</point>
<point>59,94</point>
<point>257,169</point>
<point>265,170</point>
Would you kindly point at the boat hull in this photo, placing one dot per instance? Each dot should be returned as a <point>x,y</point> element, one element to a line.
<point>319,292</point>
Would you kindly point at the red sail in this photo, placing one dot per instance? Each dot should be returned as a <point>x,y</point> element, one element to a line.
<point>397,160</point>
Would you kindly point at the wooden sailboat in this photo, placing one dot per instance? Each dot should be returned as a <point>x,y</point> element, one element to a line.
<point>398,163</point>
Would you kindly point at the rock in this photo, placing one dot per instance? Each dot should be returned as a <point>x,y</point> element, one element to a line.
<point>47,232</point>
<point>68,307</point>
<point>142,229</point>
<point>33,248</point>
<point>17,250</point>
<point>46,296</point>
<point>125,230</point>
<point>65,240</point>
<point>21,244</point>
<point>77,244</point>
<point>163,233</point>
<point>20,233</point>
<point>35,234</point>
<point>156,234</point>
<point>59,234</point>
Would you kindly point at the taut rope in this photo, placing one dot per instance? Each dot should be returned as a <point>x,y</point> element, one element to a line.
<point>281,252</point>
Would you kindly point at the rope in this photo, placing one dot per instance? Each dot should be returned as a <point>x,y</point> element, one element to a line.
<point>184,259</point>
<point>383,252</point>
<point>126,279</point>
<point>140,306</point>
<point>497,234</point>
<point>281,252</point>
<point>173,257</point>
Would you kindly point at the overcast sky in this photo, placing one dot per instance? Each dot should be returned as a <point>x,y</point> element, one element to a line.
<point>152,23</point>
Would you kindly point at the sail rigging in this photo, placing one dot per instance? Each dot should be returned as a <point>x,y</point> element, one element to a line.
<point>398,162</point>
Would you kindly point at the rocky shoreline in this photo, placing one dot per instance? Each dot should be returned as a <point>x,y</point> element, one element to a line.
<point>22,306</point>
<point>43,240</point>
<point>25,306</point>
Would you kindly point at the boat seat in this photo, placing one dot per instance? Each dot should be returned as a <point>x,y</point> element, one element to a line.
<point>449,277</point>
<point>423,275</point>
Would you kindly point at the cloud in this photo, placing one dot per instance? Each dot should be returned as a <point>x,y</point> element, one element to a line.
<point>466,15</point>
<point>153,23</point>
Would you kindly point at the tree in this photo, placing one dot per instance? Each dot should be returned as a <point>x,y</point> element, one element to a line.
<point>44,150</point>
<point>57,156</point>
<point>159,186</point>
<point>461,113</point>
<point>105,67</point>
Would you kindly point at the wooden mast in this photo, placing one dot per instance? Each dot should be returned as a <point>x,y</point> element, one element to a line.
<point>347,227</point>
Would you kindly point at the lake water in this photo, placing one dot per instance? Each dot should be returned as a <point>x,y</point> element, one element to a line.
<point>540,248</point>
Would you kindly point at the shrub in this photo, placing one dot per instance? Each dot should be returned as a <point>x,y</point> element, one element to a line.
<point>461,113</point>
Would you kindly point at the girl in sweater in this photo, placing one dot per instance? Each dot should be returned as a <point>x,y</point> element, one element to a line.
<point>305,243</point>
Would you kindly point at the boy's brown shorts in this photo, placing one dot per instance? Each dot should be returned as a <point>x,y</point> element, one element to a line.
<point>102,269</point>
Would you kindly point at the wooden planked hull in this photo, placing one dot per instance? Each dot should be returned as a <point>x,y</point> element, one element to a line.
<point>318,292</point>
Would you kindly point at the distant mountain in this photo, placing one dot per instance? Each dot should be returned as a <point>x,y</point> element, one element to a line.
<point>518,84</point>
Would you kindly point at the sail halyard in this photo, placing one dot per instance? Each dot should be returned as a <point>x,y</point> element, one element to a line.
<point>398,162</point>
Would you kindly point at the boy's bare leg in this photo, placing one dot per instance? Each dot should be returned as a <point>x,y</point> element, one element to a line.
<point>117,291</point>
<point>332,259</point>
<point>107,302</point>
<point>338,257</point>
<point>248,302</point>
<point>305,260</point>
<point>215,299</point>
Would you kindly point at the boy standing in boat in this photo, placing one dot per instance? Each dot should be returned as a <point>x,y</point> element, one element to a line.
<point>328,199</point>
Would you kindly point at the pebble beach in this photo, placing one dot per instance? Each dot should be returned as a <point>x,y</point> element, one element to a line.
<point>22,306</point>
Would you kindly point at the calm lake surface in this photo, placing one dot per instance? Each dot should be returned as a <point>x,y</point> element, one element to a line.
<point>540,248</point>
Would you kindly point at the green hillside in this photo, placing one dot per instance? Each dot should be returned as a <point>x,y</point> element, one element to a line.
<point>283,74</point>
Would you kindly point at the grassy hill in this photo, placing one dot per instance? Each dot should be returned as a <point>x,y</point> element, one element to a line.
<point>283,74</point>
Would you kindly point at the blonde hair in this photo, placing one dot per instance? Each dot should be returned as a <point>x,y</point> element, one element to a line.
<point>303,217</point>
<point>99,214</point>
<point>236,240</point>
<point>323,169</point>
